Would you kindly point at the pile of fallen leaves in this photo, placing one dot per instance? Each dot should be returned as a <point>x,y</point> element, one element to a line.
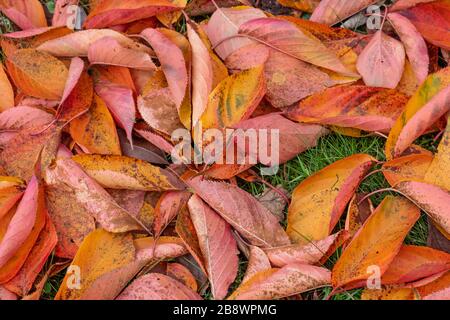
<point>86,120</point>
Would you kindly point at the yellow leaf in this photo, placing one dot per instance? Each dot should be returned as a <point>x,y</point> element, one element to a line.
<point>319,201</point>
<point>234,99</point>
<point>100,253</point>
<point>120,172</point>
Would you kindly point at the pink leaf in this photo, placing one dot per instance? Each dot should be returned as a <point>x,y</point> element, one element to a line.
<point>382,61</point>
<point>90,196</point>
<point>415,46</point>
<point>310,253</point>
<point>225,23</point>
<point>333,11</point>
<point>257,262</point>
<point>202,75</point>
<point>163,248</point>
<point>18,18</point>
<point>296,137</point>
<point>46,242</point>
<point>77,44</point>
<point>108,51</point>
<point>24,117</point>
<point>240,209</point>
<point>21,224</point>
<point>285,37</point>
<point>217,244</point>
<point>156,286</point>
<point>120,102</point>
<point>290,280</point>
<point>172,62</point>
<point>63,13</point>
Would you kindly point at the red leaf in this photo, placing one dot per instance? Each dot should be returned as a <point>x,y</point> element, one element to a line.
<point>21,224</point>
<point>382,61</point>
<point>414,263</point>
<point>22,283</point>
<point>114,12</point>
<point>432,20</point>
<point>240,209</point>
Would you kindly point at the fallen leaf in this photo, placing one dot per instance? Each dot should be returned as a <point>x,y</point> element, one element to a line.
<point>435,83</point>
<point>414,263</point>
<point>67,175</point>
<point>376,243</point>
<point>290,40</point>
<point>118,55</point>
<point>95,131</point>
<point>120,102</point>
<point>186,230</point>
<point>156,286</point>
<point>257,262</point>
<point>382,61</point>
<point>37,74</point>
<point>217,244</point>
<point>167,208</point>
<point>224,24</point>
<point>410,167</point>
<point>77,44</point>
<point>251,219</point>
<point>432,21</point>
<point>22,283</point>
<point>360,107</point>
<point>22,231</point>
<point>333,11</point>
<point>7,91</point>
<point>31,11</point>
<point>415,46</point>
<point>100,253</point>
<point>311,253</point>
<point>275,283</point>
<point>430,198</point>
<point>172,63</point>
<point>438,171</point>
<point>319,201</point>
<point>234,99</point>
<point>115,12</point>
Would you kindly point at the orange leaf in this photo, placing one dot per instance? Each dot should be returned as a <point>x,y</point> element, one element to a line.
<point>37,73</point>
<point>376,243</point>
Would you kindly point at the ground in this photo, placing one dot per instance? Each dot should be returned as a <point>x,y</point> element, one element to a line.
<point>328,150</point>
